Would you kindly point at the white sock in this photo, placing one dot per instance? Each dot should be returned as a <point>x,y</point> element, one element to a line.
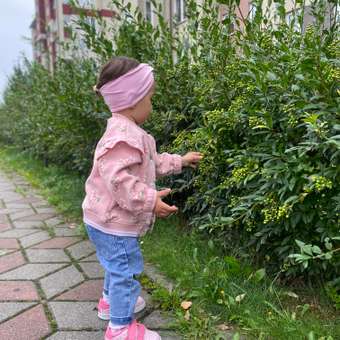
<point>106,298</point>
<point>112,326</point>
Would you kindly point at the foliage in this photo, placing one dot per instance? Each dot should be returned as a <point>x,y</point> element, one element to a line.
<point>260,99</point>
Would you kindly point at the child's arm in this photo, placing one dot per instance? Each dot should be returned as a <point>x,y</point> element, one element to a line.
<point>167,164</point>
<point>130,192</point>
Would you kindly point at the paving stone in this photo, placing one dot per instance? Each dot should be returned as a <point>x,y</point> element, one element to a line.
<point>21,214</point>
<point>18,205</point>
<point>79,315</point>
<point>3,218</point>
<point>28,224</point>
<point>46,210</point>
<point>155,276</point>
<point>4,227</point>
<point>20,327</point>
<point>11,261</point>
<point>17,233</point>
<point>54,221</point>
<point>81,335</point>
<point>65,232</point>
<point>57,243</point>
<point>168,335</point>
<point>27,200</point>
<point>92,269</point>
<point>31,271</point>
<point>29,240</point>
<point>158,320</point>
<point>18,291</point>
<point>6,251</point>
<point>60,281</point>
<point>81,249</point>
<point>9,195</point>
<point>8,309</point>
<point>91,258</point>
<point>64,225</point>
<point>47,255</point>
<point>37,217</point>
<point>9,243</point>
<point>87,291</point>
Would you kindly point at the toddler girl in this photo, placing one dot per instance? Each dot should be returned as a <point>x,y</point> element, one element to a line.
<point>121,201</point>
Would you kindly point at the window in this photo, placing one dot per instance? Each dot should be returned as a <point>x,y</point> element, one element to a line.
<point>336,13</point>
<point>148,11</point>
<point>180,10</point>
<point>292,19</point>
<point>252,12</point>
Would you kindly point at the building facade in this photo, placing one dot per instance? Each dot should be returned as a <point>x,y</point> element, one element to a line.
<point>53,23</point>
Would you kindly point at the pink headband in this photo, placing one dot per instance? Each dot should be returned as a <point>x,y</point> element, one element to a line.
<point>129,89</point>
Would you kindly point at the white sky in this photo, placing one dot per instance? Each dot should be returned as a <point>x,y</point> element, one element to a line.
<point>15,19</point>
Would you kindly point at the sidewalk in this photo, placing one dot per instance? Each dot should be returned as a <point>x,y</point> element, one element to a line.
<point>50,280</point>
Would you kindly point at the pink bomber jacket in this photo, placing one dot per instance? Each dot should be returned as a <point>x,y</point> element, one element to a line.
<point>120,190</point>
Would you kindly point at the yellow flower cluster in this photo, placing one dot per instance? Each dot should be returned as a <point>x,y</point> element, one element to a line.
<point>320,183</point>
<point>274,212</point>
<point>256,122</point>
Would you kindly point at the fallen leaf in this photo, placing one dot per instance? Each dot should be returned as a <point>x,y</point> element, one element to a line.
<point>240,297</point>
<point>223,327</point>
<point>292,294</point>
<point>186,304</point>
<point>72,225</point>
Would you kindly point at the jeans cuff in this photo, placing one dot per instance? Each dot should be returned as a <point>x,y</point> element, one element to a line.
<point>121,321</point>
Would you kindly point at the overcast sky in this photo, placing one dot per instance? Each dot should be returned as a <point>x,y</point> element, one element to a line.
<point>15,19</point>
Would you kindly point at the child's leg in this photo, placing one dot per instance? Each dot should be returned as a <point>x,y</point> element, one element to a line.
<point>106,286</point>
<point>124,281</point>
<point>121,258</point>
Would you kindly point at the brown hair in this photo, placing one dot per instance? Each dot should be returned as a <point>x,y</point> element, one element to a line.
<point>113,69</point>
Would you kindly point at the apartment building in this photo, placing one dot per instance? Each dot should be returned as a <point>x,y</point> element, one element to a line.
<point>54,19</point>
<point>53,24</point>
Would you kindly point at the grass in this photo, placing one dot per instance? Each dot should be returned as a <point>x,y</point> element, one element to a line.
<point>226,293</point>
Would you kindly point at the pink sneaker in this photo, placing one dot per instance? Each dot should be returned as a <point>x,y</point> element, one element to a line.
<point>104,308</point>
<point>134,331</point>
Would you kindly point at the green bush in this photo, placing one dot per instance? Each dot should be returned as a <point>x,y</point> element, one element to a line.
<point>260,101</point>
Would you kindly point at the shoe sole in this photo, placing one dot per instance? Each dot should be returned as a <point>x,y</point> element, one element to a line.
<point>106,317</point>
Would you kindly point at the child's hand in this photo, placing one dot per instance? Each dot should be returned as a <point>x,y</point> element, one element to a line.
<point>162,209</point>
<point>191,159</point>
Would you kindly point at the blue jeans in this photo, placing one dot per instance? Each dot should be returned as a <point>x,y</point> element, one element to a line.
<point>121,258</point>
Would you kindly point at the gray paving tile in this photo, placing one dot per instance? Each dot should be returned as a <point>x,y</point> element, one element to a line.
<point>80,335</point>
<point>15,215</point>
<point>8,309</point>
<point>46,255</point>
<point>27,224</point>
<point>38,237</point>
<point>18,205</point>
<point>92,269</point>
<point>65,232</point>
<point>17,233</point>
<point>168,335</point>
<point>60,281</point>
<point>47,210</point>
<point>81,249</point>
<point>54,221</point>
<point>158,320</point>
<point>91,258</point>
<point>80,315</point>
<point>31,271</point>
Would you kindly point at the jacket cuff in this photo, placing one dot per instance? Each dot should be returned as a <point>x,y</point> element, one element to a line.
<point>150,200</point>
<point>177,161</point>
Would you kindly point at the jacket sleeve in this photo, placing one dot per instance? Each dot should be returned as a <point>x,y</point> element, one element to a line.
<point>167,164</point>
<point>129,191</point>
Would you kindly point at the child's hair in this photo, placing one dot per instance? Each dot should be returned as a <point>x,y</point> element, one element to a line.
<point>113,69</point>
